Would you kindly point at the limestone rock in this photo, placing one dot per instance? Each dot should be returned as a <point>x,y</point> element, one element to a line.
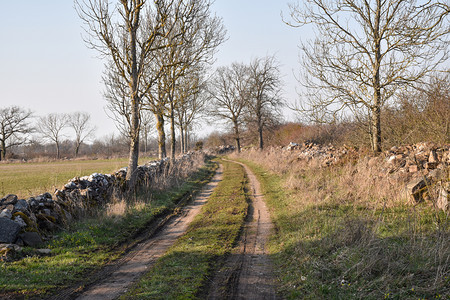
<point>433,157</point>
<point>20,221</point>
<point>44,251</point>
<point>416,188</point>
<point>413,168</point>
<point>6,213</point>
<point>442,202</point>
<point>8,230</point>
<point>32,239</point>
<point>9,199</point>
<point>21,205</point>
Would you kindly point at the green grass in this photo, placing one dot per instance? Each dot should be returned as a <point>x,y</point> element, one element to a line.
<point>31,179</point>
<point>184,271</point>
<point>336,249</point>
<point>90,244</point>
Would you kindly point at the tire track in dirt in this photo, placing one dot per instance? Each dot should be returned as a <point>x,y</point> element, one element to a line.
<point>247,273</point>
<point>138,261</point>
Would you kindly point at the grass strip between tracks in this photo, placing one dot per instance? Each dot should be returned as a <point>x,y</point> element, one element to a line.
<point>185,270</point>
<point>91,243</point>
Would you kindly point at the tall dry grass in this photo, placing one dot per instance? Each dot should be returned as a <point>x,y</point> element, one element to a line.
<point>352,181</point>
<point>172,175</point>
<point>350,231</point>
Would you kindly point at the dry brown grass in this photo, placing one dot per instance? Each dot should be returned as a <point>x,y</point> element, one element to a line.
<point>350,231</point>
<point>350,182</point>
<point>176,172</point>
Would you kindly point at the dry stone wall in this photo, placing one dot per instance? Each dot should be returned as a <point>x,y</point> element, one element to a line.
<point>25,222</point>
<point>423,168</point>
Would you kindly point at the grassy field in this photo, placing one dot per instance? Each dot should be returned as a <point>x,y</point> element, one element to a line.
<point>183,272</point>
<point>330,244</point>
<point>31,179</point>
<point>90,244</point>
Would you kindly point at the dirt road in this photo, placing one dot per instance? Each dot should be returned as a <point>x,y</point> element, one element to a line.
<point>247,273</point>
<point>137,261</point>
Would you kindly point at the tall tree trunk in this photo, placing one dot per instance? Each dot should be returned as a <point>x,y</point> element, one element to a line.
<point>58,155</point>
<point>183,146</point>
<point>260,133</point>
<point>135,104</point>
<point>260,124</point>
<point>236,136</point>
<point>186,139</point>
<point>145,140</point>
<point>376,129</point>
<point>3,150</point>
<point>77,149</point>
<point>134,144</point>
<point>172,133</point>
<point>376,108</point>
<point>161,135</point>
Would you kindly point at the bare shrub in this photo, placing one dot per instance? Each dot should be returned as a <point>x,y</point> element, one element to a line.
<point>421,115</point>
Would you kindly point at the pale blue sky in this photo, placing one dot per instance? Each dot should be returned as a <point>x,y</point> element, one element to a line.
<point>46,67</point>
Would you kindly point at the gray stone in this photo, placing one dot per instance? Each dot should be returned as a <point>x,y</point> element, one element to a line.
<point>9,199</point>
<point>44,251</point>
<point>32,239</point>
<point>20,221</point>
<point>21,205</point>
<point>11,246</point>
<point>8,230</point>
<point>6,213</point>
<point>70,185</point>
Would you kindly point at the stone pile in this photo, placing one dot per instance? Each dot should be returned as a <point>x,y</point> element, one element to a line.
<point>326,155</point>
<point>223,149</point>
<point>22,222</point>
<point>422,168</point>
<point>26,222</point>
<point>425,169</point>
<point>423,157</point>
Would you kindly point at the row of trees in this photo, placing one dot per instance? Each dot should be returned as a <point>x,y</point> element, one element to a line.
<point>247,94</point>
<point>16,126</point>
<point>156,53</point>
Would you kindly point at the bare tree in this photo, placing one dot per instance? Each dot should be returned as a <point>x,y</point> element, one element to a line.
<point>193,41</point>
<point>192,100</point>
<point>14,127</point>
<point>127,34</point>
<point>80,123</point>
<point>51,127</point>
<point>265,87</point>
<point>229,92</point>
<point>147,125</point>
<point>365,50</point>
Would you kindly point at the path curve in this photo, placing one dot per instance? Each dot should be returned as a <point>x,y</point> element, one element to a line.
<point>140,259</point>
<point>248,272</point>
